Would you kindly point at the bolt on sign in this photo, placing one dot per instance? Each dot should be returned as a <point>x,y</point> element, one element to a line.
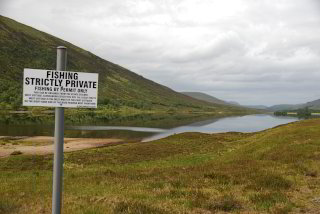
<point>54,88</point>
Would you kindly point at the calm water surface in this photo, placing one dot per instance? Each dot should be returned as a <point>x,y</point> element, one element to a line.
<point>248,123</point>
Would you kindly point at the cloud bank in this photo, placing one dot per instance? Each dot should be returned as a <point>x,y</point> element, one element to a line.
<point>253,52</point>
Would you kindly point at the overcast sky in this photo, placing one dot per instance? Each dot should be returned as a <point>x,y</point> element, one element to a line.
<point>249,51</point>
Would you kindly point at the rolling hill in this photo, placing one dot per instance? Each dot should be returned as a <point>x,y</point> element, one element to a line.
<point>281,107</point>
<point>205,97</point>
<point>262,107</point>
<point>25,47</point>
<point>315,105</point>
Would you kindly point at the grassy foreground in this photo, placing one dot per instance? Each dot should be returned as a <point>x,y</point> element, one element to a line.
<point>274,171</point>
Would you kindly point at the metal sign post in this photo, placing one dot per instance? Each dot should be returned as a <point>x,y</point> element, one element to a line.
<point>60,89</point>
<point>58,141</point>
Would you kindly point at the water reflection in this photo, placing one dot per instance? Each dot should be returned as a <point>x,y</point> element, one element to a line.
<point>147,128</point>
<point>128,128</point>
<point>248,123</point>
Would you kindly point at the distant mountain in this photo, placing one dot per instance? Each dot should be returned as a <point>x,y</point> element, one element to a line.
<point>257,106</point>
<point>212,99</point>
<point>233,103</point>
<point>281,107</point>
<point>206,97</point>
<point>22,47</point>
<point>312,105</point>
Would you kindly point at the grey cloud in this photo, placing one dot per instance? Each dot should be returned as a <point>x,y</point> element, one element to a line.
<point>253,52</point>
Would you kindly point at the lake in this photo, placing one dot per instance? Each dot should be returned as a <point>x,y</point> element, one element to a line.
<point>248,123</point>
<point>152,128</point>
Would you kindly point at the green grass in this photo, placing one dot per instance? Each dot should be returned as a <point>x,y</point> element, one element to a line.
<point>273,171</point>
<point>266,200</point>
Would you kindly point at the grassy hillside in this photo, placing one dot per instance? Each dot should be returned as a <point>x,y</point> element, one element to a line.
<point>314,105</point>
<point>25,47</point>
<point>273,171</point>
<point>205,97</point>
<point>283,107</point>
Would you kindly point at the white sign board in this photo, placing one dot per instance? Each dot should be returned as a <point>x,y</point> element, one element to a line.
<point>53,88</point>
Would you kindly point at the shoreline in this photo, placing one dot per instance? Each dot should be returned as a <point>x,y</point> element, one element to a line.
<point>70,144</point>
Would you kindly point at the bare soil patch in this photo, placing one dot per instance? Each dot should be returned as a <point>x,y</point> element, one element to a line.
<point>70,144</point>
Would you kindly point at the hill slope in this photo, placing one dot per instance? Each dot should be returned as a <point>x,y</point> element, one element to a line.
<point>283,107</point>
<point>205,97</point>
<point>257,106</point>
<point>315,104</point>
<point>25,47</point>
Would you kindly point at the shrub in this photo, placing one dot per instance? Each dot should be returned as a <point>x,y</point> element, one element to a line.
<point>7,206</point>
<point>225,203</point>
<point>16,153</point>
<point>135,207</point>
<point>267,200</point>
<point>271,181</point>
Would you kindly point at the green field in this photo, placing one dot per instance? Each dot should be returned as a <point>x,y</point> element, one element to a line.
<point>273,171</point>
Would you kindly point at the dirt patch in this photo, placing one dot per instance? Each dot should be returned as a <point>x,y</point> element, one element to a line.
<point>70,144</point>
